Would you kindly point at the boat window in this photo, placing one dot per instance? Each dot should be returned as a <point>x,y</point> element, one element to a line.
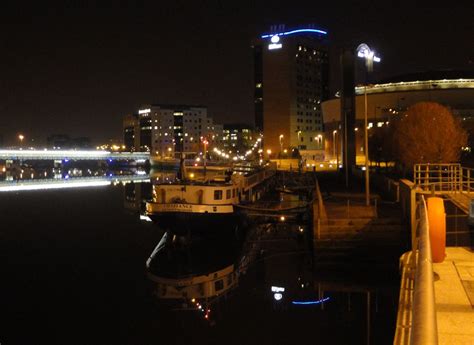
<point>219,285</point>
<point>227,194</point>
<point>217,195</point>
<point>233,193</point>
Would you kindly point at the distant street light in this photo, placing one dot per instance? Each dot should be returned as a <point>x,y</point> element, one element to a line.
<point>363,51</point>
<point>21,137</point>
<point>319,137</point>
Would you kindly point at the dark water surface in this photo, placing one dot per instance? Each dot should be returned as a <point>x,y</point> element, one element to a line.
<point>73,272</point>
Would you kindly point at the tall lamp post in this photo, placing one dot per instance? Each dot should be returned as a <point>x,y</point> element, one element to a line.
<point>280,138</point>
<point>363,51</point>
<point>205,142</point>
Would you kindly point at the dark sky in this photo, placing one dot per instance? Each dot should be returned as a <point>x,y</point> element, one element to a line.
<point>77,68</point>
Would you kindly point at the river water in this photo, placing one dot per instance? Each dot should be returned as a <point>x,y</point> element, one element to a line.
<point>73,272</point>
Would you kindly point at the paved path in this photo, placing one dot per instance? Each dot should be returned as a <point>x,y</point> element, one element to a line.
<point>454,295</point>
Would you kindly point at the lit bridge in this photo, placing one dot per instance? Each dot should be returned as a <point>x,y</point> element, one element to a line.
<point>13,155</point>
<point>73,182</point>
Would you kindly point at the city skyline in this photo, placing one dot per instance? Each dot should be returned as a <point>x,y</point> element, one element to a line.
<point>78,71</point>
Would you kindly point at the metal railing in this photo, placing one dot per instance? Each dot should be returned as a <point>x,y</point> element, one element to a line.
<point>424,329</point>
<point>444,177</point>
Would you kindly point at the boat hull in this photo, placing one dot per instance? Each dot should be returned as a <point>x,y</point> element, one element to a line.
<point>185,219</point>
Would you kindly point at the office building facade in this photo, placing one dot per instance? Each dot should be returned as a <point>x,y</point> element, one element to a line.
<point>291,74</point>
<point>168,129</point>
<point>238,137</point>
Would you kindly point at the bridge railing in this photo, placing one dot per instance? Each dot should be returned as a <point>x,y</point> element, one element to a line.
<point>467,180</point>
<point>444,177</point>
<point>424,329</point>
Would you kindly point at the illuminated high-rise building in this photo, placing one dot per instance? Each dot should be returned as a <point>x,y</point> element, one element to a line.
<point>291,74</point>
<point>166,129</point>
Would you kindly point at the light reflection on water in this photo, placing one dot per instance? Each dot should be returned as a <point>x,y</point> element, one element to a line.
<point>266,272</point>
<point>89,266</point>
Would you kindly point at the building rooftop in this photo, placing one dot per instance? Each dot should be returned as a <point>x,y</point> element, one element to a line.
<point>173,106</point>
<point>430,75</point>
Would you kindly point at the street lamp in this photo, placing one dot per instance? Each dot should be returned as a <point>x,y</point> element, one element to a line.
<point>269,152</point>
<point>319,137</point>
<point>21,137</point>
<point>363,51</point>
<point>280,138</point>
<point>334,143</point>
<point>205,142</point>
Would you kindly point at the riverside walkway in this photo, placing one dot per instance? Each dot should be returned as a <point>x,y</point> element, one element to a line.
<point>436,300</point>
<point>453,298</point>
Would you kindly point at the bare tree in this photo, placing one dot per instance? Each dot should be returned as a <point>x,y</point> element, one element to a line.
<point>427,133</point>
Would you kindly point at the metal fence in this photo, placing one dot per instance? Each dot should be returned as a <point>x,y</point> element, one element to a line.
<point>444,177</point>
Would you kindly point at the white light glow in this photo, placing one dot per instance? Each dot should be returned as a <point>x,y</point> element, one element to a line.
<point>277,296</point>
<point>278,289</point>
<point>46,186</point>
<point>275,39</point>
<point>144,111</point>
<point>274,46</point>
<point>145,218</point>
<point>55,153</point>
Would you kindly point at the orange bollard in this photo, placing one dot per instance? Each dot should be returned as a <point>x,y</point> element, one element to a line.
<point>437,223</point>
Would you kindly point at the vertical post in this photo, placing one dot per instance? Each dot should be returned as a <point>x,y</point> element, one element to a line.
<point>460,178</point>
<point>427,177</point>
<point>205,156</point>
<point>346,167</point>
<point>367,191</point>
<point>319,228</point>
<point>468,180</point>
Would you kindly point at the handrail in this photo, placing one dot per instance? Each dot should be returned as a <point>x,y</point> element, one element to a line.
<point>444,177</point>
<point>424,329</point>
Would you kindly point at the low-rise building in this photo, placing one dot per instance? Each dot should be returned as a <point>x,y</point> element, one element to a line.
<point>392,97</point>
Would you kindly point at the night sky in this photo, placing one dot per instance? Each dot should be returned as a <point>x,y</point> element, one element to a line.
<point>77,68</point>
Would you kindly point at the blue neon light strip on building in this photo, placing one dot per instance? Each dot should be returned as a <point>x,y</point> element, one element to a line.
<point>311,302</point>
<point>296,32</point>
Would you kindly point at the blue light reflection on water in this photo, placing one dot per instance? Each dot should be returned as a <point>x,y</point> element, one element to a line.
<point>77,257</point>
<point>322,300</point>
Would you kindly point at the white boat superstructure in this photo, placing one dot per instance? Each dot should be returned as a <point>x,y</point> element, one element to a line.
<point>208,199</point>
